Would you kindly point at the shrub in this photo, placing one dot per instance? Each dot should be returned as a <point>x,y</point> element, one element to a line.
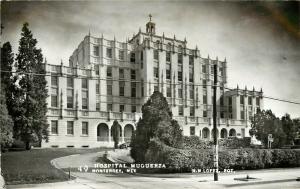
<point>180,160</point>
<point>195,142</point>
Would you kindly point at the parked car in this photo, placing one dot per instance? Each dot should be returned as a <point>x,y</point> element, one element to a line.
<point>124,145</point>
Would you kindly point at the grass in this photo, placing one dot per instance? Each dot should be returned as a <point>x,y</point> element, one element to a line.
<point>33,166</point>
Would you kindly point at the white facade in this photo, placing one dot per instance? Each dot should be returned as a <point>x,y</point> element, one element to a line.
<point>107,80</point>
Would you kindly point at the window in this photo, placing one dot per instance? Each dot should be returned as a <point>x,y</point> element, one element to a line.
<point>179,58</point>
<point>142,56</point>
<point>70,98</point>
<point>97,70</point>
<point>132,58</point>
<point>192,111</point>
<point>121,55</point>
<point>191,60</point>
<point>191,77</point>
<point>179,75</point>
<point>121,73</point>
<point>85,128</point>
<point>168,71</point>
<point>54,80</point>
<point>222,101</point>
<point>203,68</point>
<point>222,114</point>
<point>169,93</point>
<point>204,99</point>
<point>242,115</point>
<point>257,101</point>
<point>168,56</point>
<point>180,110</point>
<point>84,99</point>
<point>70,82</point>
<point>97,87</point>
<point>84,83</point>
<point>109,89</point>
<point>229,101</point>
<point>108,52</point>
<point>109,72</point>
<point>70,127</point>
<point>221,71</point>
<point>122,108</point>
<point>155,54</point>
<point>212,69</point>
<point>241,99</point>
<point>121,88</point>
<point>180,93</point>
<point>191,92</point>
<point>97,106</point>
<point>204,113</point>
<point>204,84</point>
<point>133,90</point>
<point>192,131</point>
<point>96,50</point>
<point>249,100</point>
<point>155,72</point>
<point>133,109</point>
<point>180,49</point>
<point>109,107</point>
<point>169,47</point>
<point>54,97</point>
<point>142,88</point>
<point>132,75</point>
<point>54,127</point>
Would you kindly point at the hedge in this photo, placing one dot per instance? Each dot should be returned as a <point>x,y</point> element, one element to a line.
<point>239,159</point>
<point>195,142</point>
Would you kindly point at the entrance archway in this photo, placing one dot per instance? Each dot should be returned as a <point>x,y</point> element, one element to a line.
<point>212,133</point>
<point>128,131</point>
<point>223,133</point>
<point>232,133</point>
<point>102,132</point>
<point>205,133</point>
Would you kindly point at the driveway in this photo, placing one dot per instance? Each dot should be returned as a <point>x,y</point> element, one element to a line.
<point>274,179</point>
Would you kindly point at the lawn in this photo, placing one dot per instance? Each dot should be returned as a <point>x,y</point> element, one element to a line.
<point>33,166</point>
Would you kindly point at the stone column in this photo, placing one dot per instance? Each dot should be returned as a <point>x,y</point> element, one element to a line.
<point>123,134</point>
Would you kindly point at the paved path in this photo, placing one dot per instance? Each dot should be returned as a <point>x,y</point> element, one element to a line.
<point>274,179</point>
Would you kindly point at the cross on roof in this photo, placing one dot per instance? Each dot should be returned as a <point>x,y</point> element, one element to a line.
<point>150,16</point>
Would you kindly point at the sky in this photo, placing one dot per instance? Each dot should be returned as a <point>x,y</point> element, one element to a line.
<point>260,40</point>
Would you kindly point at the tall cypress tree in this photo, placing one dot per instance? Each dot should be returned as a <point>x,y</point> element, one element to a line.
<point>31,122</point>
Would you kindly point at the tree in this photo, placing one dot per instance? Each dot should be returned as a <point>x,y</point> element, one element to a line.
<point>156,122</point>
<point>30,122</point>
<point>7,81</point>
<point>116,130</point>
<point>297,125</point>
<point>6,101</point>
<point>265,123</point>
<point>6,124</point>
<point>289,128</point>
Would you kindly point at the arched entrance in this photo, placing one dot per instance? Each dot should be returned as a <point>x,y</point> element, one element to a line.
<point>102,132</point>
<point>205,133</point>
<point>223,133</point>
<point>232,133</point>
<point>212,133</point>
<point>128,131</point>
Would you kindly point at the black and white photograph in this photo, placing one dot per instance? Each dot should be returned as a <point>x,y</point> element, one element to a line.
<point>141,94</point>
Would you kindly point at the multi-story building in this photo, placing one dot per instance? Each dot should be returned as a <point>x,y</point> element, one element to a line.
<point>108,80</point>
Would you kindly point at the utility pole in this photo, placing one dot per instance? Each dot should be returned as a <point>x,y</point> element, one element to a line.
<point>216,156</point>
